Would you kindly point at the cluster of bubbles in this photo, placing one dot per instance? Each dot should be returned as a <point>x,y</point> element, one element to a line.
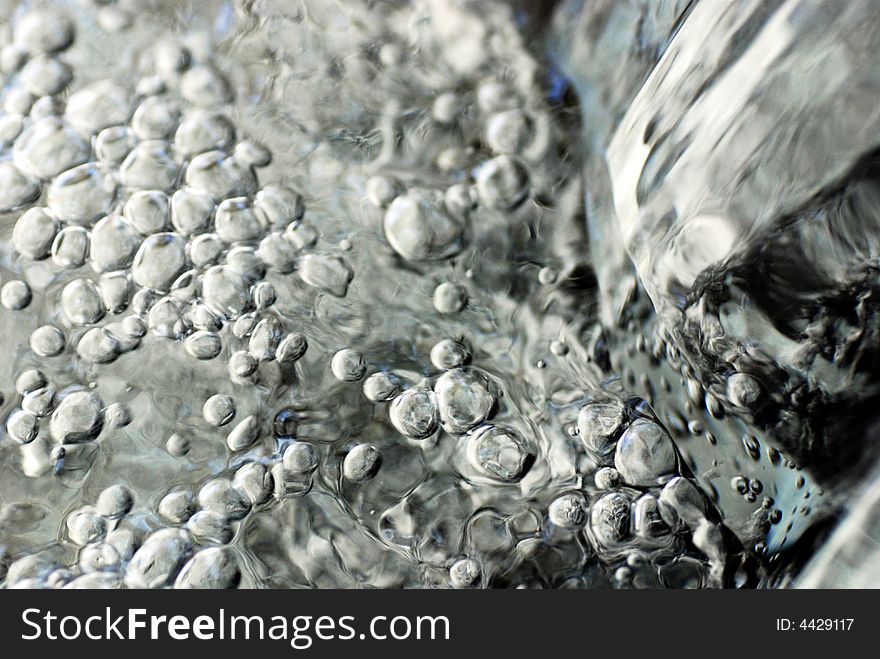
<point>372,377</point>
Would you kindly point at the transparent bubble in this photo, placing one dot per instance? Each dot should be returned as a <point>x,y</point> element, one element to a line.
<point>82,194</point>
<point>450,297</point>
<point>159,559</point>
<point>448,353</point>
<point>81,302</point>
<point>113,244</point>
<point>218,410</point>
<point>22,427</point>
<point>176,507</point>
<point>382,386</point>
<point>49,147</point>
<point>362,463</point>
<point>158,262</point>
<point>244,434</point>
<point>114,501</point>
<point>348,365</point>
<point>645,454</point>
<point>34,233</point>
<point>568,511</point>
<point>15,295</point>
<point>503,183</point>
<point>418,228</point>
<point>16,188</point>
<point>465,573</point>
<point>465,398</point>
<point>415,414</point>
<point>211,568</point>
<point>500,453</point>
<point>327,272</point>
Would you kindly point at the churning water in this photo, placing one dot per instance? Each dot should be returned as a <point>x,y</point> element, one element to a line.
<point>368,294</point>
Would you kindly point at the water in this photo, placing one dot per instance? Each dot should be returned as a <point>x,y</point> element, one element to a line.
<point>334,296</point>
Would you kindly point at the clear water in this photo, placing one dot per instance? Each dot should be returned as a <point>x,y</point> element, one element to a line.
<point>363,294</point>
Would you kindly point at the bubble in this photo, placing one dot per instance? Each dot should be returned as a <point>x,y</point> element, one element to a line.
<point>326,272</point>
<point>211,568</point>
<point>205,250</point>
<point>607,478</point>
<point>381,191</point>
<point>201,131</point>
<point>117,415</point>
<point>465,573</point>
<point>204,86</point>
<point>98,346</point>
<point>203,344</point>
<point>39,402</point>
<point>30,380</point>
<point>209,527</point>
<point>251,154</point>
<point>176,507</point>
<point>503,183</point>
<point>244,259</point>
<point>12,58</point>
<point>159,261</point>
<point>265,339</point>
<point>43,76</point>
<point>448,353</point>
<point>244,434</point>
<point>114,501</point>
<point>301,234</point>
<point>220,176</point>
<point>348,365</point>
<point>166,318</point>
<point>218,410</point>
<point>115,290</point>
<point>568,511</point>
<point>382,386</point>
<point>99,105</point>
<point>149,165</point>
<point>16,188</point>
<point>254,481</point>
<point>495,96</point>
<point>237,222</point>
<point>78,418</point>
<point>300,458</point>
<point>645,454</point>
<point>15,295</point>
<point>610,518</point>
<point>70,247</point>
<point>85,525</point>
<point>509,132</point>
<point>134,326</point>
<point>446,108</point>
<point>224,289</point>
<point>155,118</point>
<point>277,253</point>
<point>113,244</point>
<point>278,206</point>
<point>192,211</point>
<point>48,147</point>
<point>81,302</point>
<point>98,557</point>
<point>450,297</point>
<point>82,194</point>
<point>465,398</point>
<point>599,423</point>
<point>11,126</point>
<point>743,390</point>
<point>414,413</point>
<point>362,463</point>
<point>220,496</point>
<point>22,427</point>
<point>43,31</point>
<point>242,365</point>
<point>159,559</point>
<point>34,233</point>
<point>418,228</point>
<point>177,445</point>
<point>244,325</point>
<point>113,144</point>
<point>264,295</point>
<point>681,500</point>
<point>499,453</point>
<point>548,275</point>
<point>170,57</point>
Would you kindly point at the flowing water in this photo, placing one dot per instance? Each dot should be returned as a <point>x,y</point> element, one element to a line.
<point>430,294</point>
